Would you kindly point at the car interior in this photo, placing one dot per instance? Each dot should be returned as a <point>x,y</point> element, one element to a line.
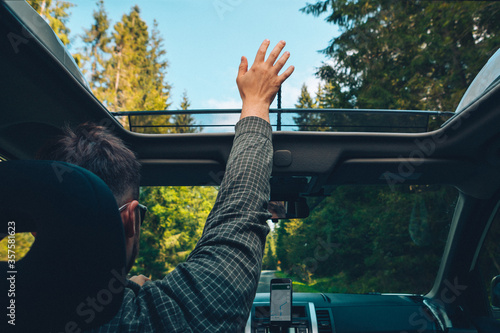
<point>43,90</point>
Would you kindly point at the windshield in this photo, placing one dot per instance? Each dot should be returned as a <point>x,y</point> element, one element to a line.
<point>364,239</point>
<point>360,239</point>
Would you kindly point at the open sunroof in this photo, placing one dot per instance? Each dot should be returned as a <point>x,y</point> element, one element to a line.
<point>324,120</point>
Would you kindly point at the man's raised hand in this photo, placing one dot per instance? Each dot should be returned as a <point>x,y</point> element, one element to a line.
<point>259,85</point>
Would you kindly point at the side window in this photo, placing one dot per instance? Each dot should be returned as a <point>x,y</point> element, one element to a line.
<point>489,262</point>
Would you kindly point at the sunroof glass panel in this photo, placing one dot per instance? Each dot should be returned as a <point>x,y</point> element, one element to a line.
<point>324,120</point>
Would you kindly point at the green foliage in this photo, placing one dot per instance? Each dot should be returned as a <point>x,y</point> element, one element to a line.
<point>174,224</point>
<point>329,95</point>
<point>270,261</point>
<point>128,73</point>
<point>390,55</point>
<point>305,100</point>
<point>133,77</point>
<point>23,243</point>
<point>368,238</point>
<point>128,68</point>
<point>183,121</point>
<point>307,120</point>
<point>56,14</point>
<point>97,45</point>
<point>298,287</point>
<point>407,54</point>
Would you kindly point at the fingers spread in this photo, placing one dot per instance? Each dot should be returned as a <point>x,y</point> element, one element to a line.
<point>286,74</point>
<point>282,61</point>
<point>259,84</point>
<point>275,52</point>
<point>261,53</point>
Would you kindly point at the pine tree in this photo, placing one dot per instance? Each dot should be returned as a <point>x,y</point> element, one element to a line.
<point>311,121</point>
<point>97,41</point>
<point>391,54</point>
<point>128,68</point>
<point>129,74</point>
<point>133,78</point>
<point>305,100</point>
<point>303,120</point>
<point>154,74</point>
<point>125,66</point>
<point>408,54</point>
<point>183,121</point>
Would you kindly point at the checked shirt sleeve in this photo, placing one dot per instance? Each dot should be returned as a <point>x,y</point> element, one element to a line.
<point>219,279</point>
<point>214,289</point>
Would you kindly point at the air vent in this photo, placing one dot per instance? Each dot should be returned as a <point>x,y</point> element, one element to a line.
<point>324,321</point>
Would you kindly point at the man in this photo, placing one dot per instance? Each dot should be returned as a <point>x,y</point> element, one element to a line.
<point>213,290</point>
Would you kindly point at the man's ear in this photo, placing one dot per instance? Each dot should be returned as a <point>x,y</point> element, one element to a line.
<point>129,218</point>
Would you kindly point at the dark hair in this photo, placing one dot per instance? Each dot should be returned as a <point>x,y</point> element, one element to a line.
<point>96,149</point>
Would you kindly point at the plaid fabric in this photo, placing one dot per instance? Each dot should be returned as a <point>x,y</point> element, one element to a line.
<point>214,289</point>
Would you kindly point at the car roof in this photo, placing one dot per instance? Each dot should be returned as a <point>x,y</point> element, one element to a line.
<point>42,93</point>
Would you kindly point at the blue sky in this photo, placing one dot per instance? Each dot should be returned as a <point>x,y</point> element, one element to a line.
<point>205,40</point>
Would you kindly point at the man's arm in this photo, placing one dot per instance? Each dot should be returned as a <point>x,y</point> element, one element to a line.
<point>222,272</point>
<point>213,290</point>
<point>217,283</point>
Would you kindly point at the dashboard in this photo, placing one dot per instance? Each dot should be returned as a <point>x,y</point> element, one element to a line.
<point>353,313</point>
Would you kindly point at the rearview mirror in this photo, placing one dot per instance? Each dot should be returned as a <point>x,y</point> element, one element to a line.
<point>289,209</point>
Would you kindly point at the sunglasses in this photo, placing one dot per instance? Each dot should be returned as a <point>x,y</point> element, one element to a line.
<point>142,210</point>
